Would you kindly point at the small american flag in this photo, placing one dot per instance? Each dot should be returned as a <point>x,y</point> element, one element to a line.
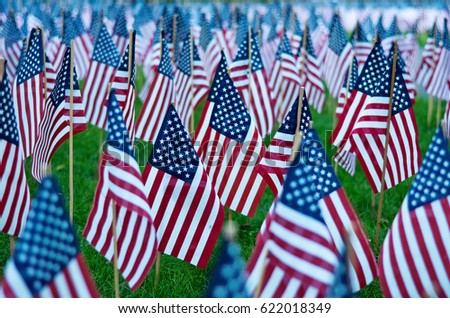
<point>191,82</point>
<point>47,261</point>
<point>105,60</point>
<point>390,35</point>
<point>209,48</point>
<point>254,86</point>
<point>151,62</point>
<point>426,67</point>
<point>347,87</point>
<point>276,161</point>
<point>54,128</point>
<point>410,86</point>
<point>120,183</point>
<point>269,47</point>
<point>297,34</point>
<point>187,212</point>
<point>229,129</point>
<point>311,75</point>
<point>369,134</point>
<point>13,45</point>
<point>361,45</point>
<point>159,99</point>
<point>276,78</point>
<point>120,31</point>
<point>14,193</point>
<point>338,57</point>
<point>415,254</point>
<point>28,92</point>
<point>437,85</point>
<point>228,279</point>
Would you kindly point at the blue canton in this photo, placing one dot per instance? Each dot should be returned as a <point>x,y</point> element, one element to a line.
<point>105,50</point>
<point>205,32</point>
<point>34,61</point>
<point>184,64</point>
<point>376,64</point>
<point>221,72</point>
<point>165,66</point>
<point>290,121</point>
<point>338,39</point>
<point>11,32</point>
<point>353,75</point>
<point>62,83</point>
<point>8,122</point>
<point>120,27</point>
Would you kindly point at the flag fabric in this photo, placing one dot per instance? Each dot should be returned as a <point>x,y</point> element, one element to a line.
<point>410,86</point>
<point>338,57</point>
<point>428,61</point>
<point>105,60</point>
<point>47,261</point>
<point>310,74</point>
<point>269,48</point>
<point>347,87</point>
<point>50,76</point>
<point>229,129</point>
<point>369,134</point>
<point>125,89</point>
<point>28,92</point>
<point>158,100</point>
<point>276,161</point>
<point>296,256</point>
<point>414,257</point>
<point>250,78</point>
<point>361,45</point>
<point>186,210</point>
<point>120,184</point>
<point>54,127</point>
<point>191,82</point>
<point>120,32</point>
<point>151,62</point>
<point>209,49</point>
<point>228,279</point>
<point>13,45</point>
<point>14,192</point>
<point>341,285</point>
<point>276,78</point>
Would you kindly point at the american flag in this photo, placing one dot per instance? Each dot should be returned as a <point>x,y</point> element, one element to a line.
<point>390,35</point>
<point>294,253</point>
<point>54,41</point>
<point>120,32</point>
<point>14,193</point>
<point>338,57</point>
<point>54,128</point>
<point>440,74</point>
<point>191,82</point>
<point>105,60</point>
<point>361,45</point>
<point>158,100</point>
<point>186,210</point>
<point>120,184</point>
<point>320,37</point>
<point>269,48</point>
<point>125,89</point>
<point>374,67</point>
<point>28,92</point>
<point>310,74</point>
<point>228,278</point>
<point>290,82</point>
<point>13,45</point>
<point>276,161</point>
<point>96,24</point>
<point>229,129</point>
<point>276,78</point>
<point>369,134</point>
<point>410,86</point>
<point>415,254</point>
<point>47,262</point>
<point>297,34</point>
<point>348,86</point>
<point>50,75</point>
<point>426,67</point>
<point>209,48</point>
<point>151,63</point>
<point>249,76</point>
<point>341,286</point>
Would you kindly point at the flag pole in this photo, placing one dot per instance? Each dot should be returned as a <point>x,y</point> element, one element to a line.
<point>386,144</point>
<point>438,114</point>
<point>130,54</point>
<point>259,286</point>
<point>298,135</point>
<point>71,133</point>
<point>157,267</point>
<point>116,252</point>
<point>303,64</point>
<point>192,83</point>
<point>41,28</point>
<point>430,96</point>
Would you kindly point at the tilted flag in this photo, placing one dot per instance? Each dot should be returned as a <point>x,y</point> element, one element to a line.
<point>249,76</point>
<point>296,37</point>
<point>120,32</point>
<point>209,48</point>
<point>187,213</point>
<point>277,158</point>
<point>428,61</point>
<point>269,47</point>
<point>275,79</point>
<point>14,192</point>
<point>120,187</point>
<point>124,86</point>
<point>390,35</point>
<point>410,86</point>
<point>54,127</point>
<point>105,60</point>
<point>414,257</point>
<point>47,261</point>
<point>370,132</point>
<point>228,278</point>
<point>231,146</point>
<point>361,45</point>
<point>191,82</point>
<point>338,58</point>
<point>13,45</point>
<point>28,92</point>
<point>158,100</point>
<point>348,86</point>
<point>310,74</point>
<point>151,62</point>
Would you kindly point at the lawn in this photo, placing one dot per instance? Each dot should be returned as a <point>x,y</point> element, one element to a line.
<point>177,278</point>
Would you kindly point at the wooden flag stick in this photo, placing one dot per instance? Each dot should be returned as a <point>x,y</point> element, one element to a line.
<point>130,54</point>
<point>72,47</point>
<point>303,64</point>
<point>298,134</point>
<point>12,244</point>
<point>41,28</point>
<point>192,128</point>
<point>430,97</point>
<point>258,289</point>
<point>116,251</point>
<point>249,67</point>
<point>386,144</point>
<point>157,267</point>
<point>373,206</point>
<point>438,113</point>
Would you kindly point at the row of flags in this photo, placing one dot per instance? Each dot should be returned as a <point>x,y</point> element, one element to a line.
<point>177,205</point>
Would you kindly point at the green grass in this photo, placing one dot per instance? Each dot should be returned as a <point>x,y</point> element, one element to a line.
<point>177,278</point>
